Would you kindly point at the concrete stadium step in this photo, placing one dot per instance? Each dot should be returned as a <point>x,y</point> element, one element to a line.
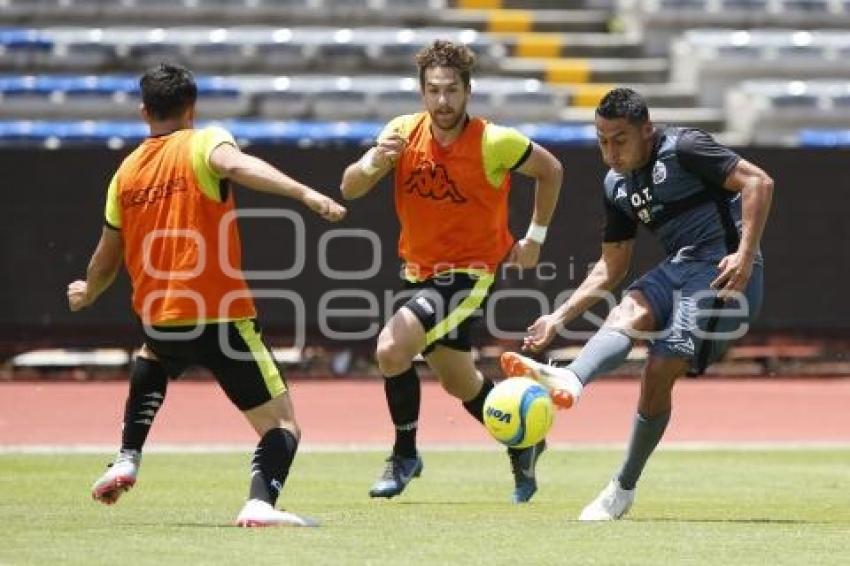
<point>709,119</point>
<point>576,44</point>
<point>591,70</point>
<point>656,95</point>
<point>528,4</point>
<point>524,20</point>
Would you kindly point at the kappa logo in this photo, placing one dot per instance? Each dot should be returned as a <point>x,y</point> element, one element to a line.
<point>659,172</point>
<point>431,180</point>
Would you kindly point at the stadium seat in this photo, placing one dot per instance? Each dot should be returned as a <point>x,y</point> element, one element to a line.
<point>716,59</point>
<point>660,21</point>
<point>774,112</point>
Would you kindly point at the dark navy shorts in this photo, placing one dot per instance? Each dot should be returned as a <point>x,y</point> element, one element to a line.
<point>692,322</point>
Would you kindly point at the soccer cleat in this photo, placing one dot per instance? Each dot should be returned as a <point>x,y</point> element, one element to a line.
<point>397,474</point>
<point>564,387</point>
<point>257,513</point>
<point>118,478</point>
<point>523,463</point>
<point>611,504</point>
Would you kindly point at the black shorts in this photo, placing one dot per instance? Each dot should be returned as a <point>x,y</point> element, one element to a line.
<point>448,305</point>
<point>233,351</point>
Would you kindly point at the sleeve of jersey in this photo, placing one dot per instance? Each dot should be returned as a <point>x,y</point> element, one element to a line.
<point>699,154</point>
<point>618,225</point>
<point>396,125</point>
<point>205,142</point>
<point>112,212</point>
<point>506,148</point>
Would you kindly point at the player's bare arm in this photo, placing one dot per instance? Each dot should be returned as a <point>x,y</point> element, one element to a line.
<point>249,171</point>
<point>549,174</point>
<point>361,176</point>
<point>756,188</point>
<point>103,267</point>
<point>606,274</point>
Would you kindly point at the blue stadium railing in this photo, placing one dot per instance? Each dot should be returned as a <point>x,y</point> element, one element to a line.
<point>54,134</point>
<point>824,138</point>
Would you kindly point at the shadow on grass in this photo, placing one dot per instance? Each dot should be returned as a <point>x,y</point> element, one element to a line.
<point>745,521</point>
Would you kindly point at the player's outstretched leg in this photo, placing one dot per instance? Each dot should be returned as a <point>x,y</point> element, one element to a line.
<point>118,478</point>
<point>523,466</point>
<point>564,387</point>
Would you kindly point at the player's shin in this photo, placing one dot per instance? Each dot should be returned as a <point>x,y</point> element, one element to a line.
<point>605,351</point>
<point>270,465</point>
<point>646,434</point>
<point>148,384</point>
<point>475,406</point>
<point>403,393</point>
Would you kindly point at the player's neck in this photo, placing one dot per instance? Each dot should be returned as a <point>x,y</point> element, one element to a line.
<point>165,127</point>
<point>649,150</point>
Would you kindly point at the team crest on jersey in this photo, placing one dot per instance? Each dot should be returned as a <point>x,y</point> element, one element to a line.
<point>431,180</point>
<point>659,172</point>
<point>621,193</point>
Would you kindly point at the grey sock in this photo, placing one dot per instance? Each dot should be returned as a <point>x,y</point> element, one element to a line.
<point>606,350</point>
<point>645,436</point>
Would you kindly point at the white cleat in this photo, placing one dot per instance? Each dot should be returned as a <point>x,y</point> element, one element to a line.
<point>118,478</point>
<point>563,385</point>
<point>258,513</point>
<point>611,504</point>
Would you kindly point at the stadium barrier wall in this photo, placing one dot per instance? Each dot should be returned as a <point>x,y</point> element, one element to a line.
<point>53,205</point>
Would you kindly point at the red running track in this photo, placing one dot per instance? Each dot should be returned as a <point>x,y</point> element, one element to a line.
<point>347,411</point>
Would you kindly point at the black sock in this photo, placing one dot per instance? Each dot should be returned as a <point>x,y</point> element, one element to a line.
<point>270,465</point>
<point>148,383</point>
<point>475,406</point>
<point>403,397</point>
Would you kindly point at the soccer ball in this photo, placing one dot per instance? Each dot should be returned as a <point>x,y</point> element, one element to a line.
<point>518,412</point>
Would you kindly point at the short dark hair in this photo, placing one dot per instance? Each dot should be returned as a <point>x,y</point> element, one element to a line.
<point>445,53</point>
<point>623,103</point>
<point>168,90</point>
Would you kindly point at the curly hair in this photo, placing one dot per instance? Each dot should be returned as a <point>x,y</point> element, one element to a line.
<point>623,103</point>
<point>445,53</point>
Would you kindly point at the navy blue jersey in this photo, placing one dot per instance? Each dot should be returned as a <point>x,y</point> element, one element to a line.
<point>679,196</point>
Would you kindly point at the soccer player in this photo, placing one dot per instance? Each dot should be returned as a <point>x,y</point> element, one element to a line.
<point>708,206</point>
<point>452,176</point>
<point>170,217</point>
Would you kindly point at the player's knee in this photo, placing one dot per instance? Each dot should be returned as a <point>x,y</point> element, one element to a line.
<point>392,359</point>
<point>633,313</point>
<point>266,421</point>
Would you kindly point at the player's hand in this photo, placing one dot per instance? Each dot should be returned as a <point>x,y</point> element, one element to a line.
<point>325,207</point>
<point>525,254</point>
<point>387,150</point>
<point>735,271</point>
<point>540,333</point>
<point>78,295</point>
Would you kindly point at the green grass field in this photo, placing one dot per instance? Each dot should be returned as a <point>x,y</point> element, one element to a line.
<point>711,507</point>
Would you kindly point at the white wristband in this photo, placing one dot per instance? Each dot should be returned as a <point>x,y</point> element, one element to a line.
<point>536,233</point>
<point>367,164</point>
